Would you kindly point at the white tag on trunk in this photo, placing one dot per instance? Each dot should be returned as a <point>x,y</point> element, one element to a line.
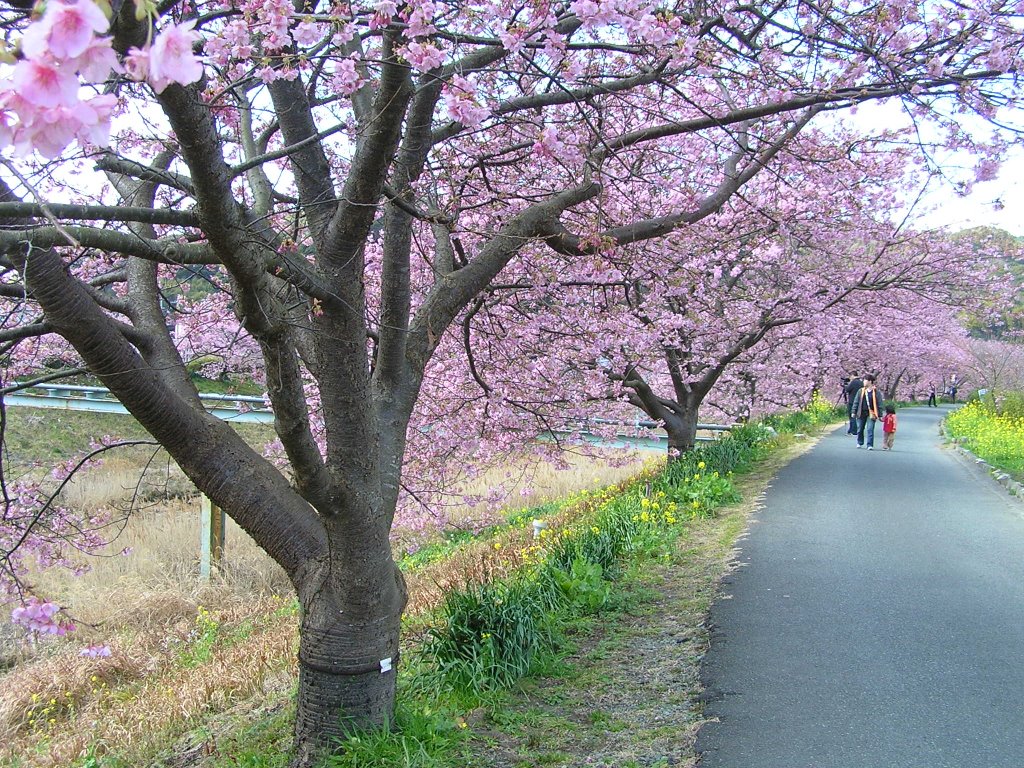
<point>385,665</point>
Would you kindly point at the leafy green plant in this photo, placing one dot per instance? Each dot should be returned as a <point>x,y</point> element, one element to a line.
<point>490,634</point>
<point>584,585</point>
<point>421,736</point>
<point>816,413</point>
<point>198,649</point>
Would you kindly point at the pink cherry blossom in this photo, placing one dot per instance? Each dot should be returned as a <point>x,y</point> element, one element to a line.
<point>307,33</point>
<point>424,56</point>
<point>65,30</point>
<point>94,119</point>
<point>136,64</point>
<point>97,61</point>
<point>48,133</point>
<point>460,101</point>
<point>420,22</point>
<point>40,617</point>
<point>45,85</point>
<point>171,59</point>
<point>346,79</point>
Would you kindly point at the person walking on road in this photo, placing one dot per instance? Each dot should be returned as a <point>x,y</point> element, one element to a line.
<point>867,406</point>
<point>854,386</point>
<point>889,428</point>
<point>931,397</point>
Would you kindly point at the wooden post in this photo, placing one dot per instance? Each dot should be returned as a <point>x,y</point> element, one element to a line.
<point>211,542</point>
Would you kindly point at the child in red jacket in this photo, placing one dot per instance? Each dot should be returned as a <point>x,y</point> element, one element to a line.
<point>888,428</point>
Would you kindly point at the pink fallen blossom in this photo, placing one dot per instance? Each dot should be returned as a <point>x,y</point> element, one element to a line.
<point>95,651</point>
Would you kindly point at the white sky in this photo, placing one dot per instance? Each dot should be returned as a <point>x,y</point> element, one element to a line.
<point>997,203</point>
<point>979,208</point>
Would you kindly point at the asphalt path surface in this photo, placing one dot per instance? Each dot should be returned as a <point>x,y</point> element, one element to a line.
<point>876,616</point>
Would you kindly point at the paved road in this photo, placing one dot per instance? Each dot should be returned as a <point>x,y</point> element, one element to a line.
<point>877,618</point>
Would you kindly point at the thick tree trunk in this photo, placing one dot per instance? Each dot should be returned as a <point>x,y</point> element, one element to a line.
<point>346,679</point>
<point>682,430</point>
<point>348,647</point>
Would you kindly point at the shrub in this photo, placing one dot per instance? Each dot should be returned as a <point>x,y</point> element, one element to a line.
<point>1011,405</point>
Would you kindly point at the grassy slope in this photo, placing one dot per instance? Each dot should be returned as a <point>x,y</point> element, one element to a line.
<point>171,670</point>
<point>625,693</point>
<point>629,695</point>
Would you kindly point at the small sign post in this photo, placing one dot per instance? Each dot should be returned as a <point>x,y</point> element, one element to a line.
<point>213,522</point>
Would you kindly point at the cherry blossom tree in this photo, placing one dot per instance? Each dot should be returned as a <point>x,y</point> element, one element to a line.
<point>676,314</point>
<point>995,365</point>
<point>353,175</point>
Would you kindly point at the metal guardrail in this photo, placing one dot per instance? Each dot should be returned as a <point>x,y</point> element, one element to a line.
<point>238,408</point>
<point>253,410</point>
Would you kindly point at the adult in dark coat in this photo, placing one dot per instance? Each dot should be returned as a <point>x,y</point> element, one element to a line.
<point>868,406</point>
<point>855,385</point>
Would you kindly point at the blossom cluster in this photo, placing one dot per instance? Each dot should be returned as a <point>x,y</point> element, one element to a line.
<point>41,616</point>
<point>44,105</point>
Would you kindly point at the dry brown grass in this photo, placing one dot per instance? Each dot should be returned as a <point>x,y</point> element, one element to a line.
<point>134,699</point>
<point>544,481</point>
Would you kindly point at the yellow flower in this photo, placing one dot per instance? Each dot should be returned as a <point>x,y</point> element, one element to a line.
<point>701,465</point>
<point>645,502</point>
<point>595,529</point>
<point>497,545</point>
<point>696,504</point>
